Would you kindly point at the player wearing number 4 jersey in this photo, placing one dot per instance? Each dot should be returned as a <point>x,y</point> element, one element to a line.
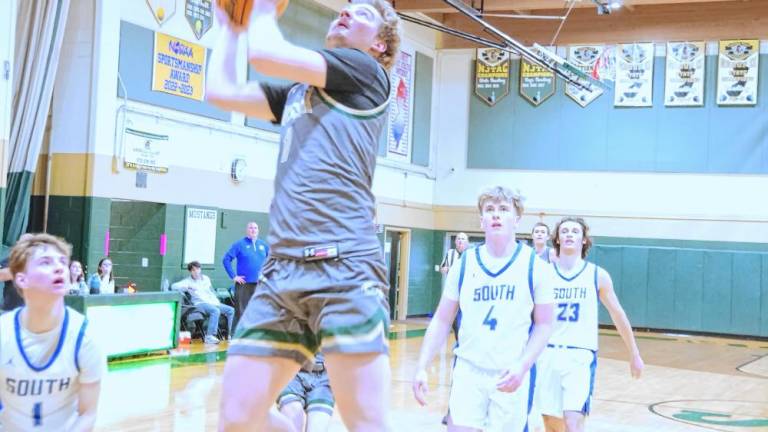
<point>566,369</point>
<point>50,367</point>
<point>505,296</point>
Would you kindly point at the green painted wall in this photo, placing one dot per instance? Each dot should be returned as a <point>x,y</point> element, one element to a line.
<point>135,228</point>
<point>717,287</point>
<point>422,109</point>
<point>682,289</point>
<point>424,283</point>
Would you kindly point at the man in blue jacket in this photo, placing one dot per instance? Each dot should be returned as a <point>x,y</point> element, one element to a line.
<point>250,253</point>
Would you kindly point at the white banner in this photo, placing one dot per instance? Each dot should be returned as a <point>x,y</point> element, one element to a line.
<point>586,58</point>
<point>200,235</point>
<point>684,79</point>
<point>737,67</point>
<point>634,75</point>
<point>144,151</point>
<point>400,122</point>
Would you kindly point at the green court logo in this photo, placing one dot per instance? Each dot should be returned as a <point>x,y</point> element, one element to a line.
<point>723,415</point>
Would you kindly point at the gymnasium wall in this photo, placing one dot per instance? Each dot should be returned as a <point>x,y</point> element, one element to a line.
<point>689,289</point>
<point>674,206</point>
<point>600,137</point>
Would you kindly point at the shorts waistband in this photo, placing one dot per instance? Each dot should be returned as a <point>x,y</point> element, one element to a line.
<point>481,370</point>
<point>556,346</point>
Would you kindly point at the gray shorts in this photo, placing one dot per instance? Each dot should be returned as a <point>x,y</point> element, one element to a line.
<point>311,389</point>
<point>299,307</point>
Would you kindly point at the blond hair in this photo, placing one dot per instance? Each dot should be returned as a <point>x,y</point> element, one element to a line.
<point>501,194</point>
<point>389,32</point>
<point>27,245</point>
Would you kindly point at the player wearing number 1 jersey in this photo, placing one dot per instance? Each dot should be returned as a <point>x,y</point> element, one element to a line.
<point>566,369</point>
<point>50,367</point>
<point>505,296</point>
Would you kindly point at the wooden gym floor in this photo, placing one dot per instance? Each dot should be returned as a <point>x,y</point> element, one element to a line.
<point>690,384</point>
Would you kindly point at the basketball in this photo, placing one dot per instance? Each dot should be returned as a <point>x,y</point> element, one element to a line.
<point>239,11</point>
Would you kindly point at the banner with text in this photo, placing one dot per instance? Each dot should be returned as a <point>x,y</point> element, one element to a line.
<point>737,65</point>
<point>684,80</point>
<point>537,84</point>
<point>586,58</point>
<point>400,107</point>
<point>178,67</point>
<point>492,75</point>
<point>634,75</point>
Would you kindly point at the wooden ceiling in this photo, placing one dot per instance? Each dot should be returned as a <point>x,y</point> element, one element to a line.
<point>634,21</point>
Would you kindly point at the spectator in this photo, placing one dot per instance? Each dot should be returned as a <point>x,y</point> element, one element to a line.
<point>103,282</point>
<point>11,297</point>
<point>77,278</point>
<point>250,253</point>
<point>204,298</point>
<point>453,255</point>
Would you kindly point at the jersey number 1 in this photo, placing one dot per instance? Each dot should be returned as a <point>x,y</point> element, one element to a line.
<point>490,322</point>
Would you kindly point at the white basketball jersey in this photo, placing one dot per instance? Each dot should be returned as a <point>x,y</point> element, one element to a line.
<point>576,304</point>
<point>495,308</point>
<point>39,389</point>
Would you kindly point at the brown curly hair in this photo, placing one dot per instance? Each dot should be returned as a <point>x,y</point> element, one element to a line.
<point>389,32</point>
<point>584,229</point>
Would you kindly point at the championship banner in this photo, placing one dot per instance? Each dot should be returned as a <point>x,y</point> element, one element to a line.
<point>199,14</point>
<point>492,74</point>
<point>400,106</point>
<point>162,10</point>
<point>178,67</point>
<point>634,75</point>
<point>585,57</point>
<point>537,84</point>
<point>684,79</point>
<point>143,151</point>
<point>737,67</point>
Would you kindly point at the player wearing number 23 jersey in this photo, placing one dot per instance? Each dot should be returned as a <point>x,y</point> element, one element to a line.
<point>566,368</point>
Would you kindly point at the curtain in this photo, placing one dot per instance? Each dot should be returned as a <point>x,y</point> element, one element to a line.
<point>39,36</point>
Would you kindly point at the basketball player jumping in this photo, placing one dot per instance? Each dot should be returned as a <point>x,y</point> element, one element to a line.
<point>324,286</point>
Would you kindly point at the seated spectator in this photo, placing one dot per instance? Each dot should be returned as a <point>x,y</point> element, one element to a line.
<point>103,282</point>
<point>11,297</point>
<point>308,397</point>
<point>204,298</point>
<point>77,278</point>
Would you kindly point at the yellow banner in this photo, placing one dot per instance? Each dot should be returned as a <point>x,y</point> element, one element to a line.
<point>178,67</point>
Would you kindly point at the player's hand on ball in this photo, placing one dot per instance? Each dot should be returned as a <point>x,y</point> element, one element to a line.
<point>636,366</point>
<point>511,379</point>
<point>420,387</point>
<point>238,12</point>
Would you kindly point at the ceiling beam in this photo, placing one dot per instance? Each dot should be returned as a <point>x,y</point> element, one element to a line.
<point>747,19</point>
<point>439,6</point>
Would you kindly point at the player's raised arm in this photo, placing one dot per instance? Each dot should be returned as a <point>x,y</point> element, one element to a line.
<point>271,54</point>
<point>221,85</point>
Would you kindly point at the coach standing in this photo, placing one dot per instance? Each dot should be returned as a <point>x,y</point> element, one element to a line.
<point>250,253</point>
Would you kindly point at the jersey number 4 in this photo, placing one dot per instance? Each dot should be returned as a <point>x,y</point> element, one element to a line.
<point>490,322</point>
<point>37,413</point>
<point>568,312</point>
